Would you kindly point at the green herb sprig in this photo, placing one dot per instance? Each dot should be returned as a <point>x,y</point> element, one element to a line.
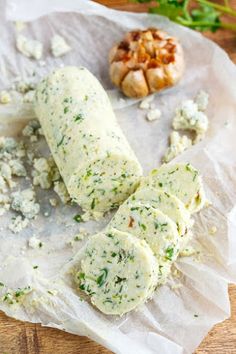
<point>201,15</point>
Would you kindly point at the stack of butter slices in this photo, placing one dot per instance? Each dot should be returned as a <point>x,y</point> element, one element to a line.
<point>123,265</point>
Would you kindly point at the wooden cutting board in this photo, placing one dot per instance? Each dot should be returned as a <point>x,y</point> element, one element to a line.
<point>25,338</point>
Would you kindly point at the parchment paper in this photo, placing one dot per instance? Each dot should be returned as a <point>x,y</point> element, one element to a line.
<point>174,321</point>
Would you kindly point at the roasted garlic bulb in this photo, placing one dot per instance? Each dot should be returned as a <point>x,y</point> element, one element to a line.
<point>145,62</point>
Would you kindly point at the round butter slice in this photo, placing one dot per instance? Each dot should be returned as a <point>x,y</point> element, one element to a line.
<point>94,158</point>
<point>156,228</point>
<point>165,202</point>
<point>118,272</point>
<point>181,180</point>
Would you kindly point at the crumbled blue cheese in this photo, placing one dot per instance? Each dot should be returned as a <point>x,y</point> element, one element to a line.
<point>31,128</point>
<point>53,202</point>
<point>153,114</point>
<point>45,172</point>
<point>19,26</point>
<point>189,117</point>
<point>145,103</point>
<point>212,230</point>
<point>202,100</point>
<point>188,251</point>
<point>18,223</point>
<point>29,96</point>
<point>24,86</point>
<point>178,144</point>
<point>25,203</point>
<point>35,242</point>
<point>60,189</point>
<point>17,168</point>
<point>111,273</point>
<point>59,46</point>
<point>5,97</point>
<point>31,48</point>
<point>6,173</point>
<point>4,203</point>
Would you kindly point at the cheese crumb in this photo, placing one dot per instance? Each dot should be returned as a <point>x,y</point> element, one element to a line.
<point>18,224</point>
<point>60,189</point>
<point>59,46</point>
<point>153,114</point>
<point>212,230</point>
<point>145,103</point>
<point>187,252</point>
<point>24,202</point>
<point>53,202</point>
<point>30,48</point>
<point>5,97</point>
<point>29,97</point>
<point>178,144</point>
<point>202,100</point>
<point>189,117</point>
<point>35,242</point>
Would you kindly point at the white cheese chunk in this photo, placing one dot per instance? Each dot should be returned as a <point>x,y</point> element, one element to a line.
<point>31,48</point>
<point>59,46</point>
<point>201,100</point>
<point>60,189</point>
<point>35,242</point>
<point>181,180</point>
<point>17,168</point>
<point>24,202</point>
<point>151,225</point>
<point>189,117</point>
<point>18,224</point>
<point>145,103</point>
<point>93,156</point>
<point>153,114</point>
<point>5,97</point>
<point>118,272</point>
<point>178,144</point>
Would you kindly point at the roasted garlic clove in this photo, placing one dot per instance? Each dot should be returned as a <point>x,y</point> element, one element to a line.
<point>145,62</point>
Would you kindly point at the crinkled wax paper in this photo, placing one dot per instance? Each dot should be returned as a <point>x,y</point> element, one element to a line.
<point>175,320</point>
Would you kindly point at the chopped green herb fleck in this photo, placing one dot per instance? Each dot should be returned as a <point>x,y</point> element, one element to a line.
<point>78,118</point>
<point>61,141</point>
<point>169,253</point>
<point>93,203</point>
<point>102,277</point>
<point>78,218</point>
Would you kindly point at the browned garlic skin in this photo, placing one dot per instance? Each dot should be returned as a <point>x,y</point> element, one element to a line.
<point>145,62</point>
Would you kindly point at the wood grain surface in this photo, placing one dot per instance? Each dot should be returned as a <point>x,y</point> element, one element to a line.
<point>25,338</point>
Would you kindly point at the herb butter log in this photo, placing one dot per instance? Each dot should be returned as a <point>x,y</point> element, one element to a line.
<point>97,164</point>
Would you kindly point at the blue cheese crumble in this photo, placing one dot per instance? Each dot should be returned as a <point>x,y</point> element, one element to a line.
<point>178,144</point>
<point>25,203</point>
<point>59,46</point>
<point>190,116</point>
<point>30,48</point>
